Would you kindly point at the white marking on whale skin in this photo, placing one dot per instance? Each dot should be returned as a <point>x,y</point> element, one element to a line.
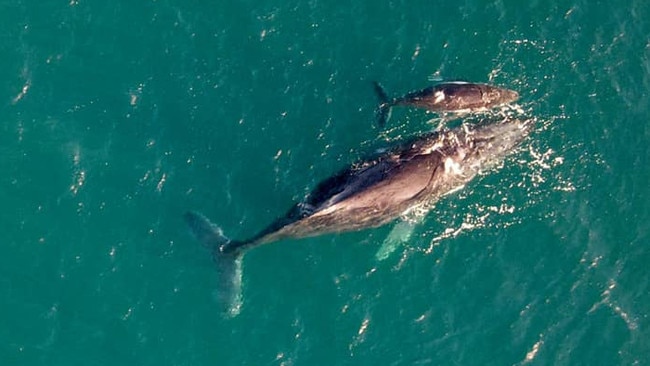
<point>440,96</point>
<point>451,166</point>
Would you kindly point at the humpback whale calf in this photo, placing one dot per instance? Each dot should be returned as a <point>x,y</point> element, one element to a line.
<point>371,192</point>
<point>446,97</point>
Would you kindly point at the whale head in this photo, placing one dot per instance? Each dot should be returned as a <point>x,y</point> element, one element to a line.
<point>493,95</point>
<point>486,144</point>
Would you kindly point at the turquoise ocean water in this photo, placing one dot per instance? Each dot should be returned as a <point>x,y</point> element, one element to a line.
<point>118,116</point>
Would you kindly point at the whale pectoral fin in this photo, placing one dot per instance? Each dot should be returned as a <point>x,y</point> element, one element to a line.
<point>399,235</point>
<point>382,112</point>
<point>228,262</point>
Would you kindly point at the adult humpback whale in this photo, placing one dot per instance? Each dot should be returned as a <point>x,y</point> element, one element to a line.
<point>371,192</point>
<point>446,97</point>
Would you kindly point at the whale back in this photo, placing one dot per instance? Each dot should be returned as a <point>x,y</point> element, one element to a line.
<point>458,96</point>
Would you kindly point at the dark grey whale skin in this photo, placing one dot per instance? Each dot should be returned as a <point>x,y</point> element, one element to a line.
<point>377,190</point>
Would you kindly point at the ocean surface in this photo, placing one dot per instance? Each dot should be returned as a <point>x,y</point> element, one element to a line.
<point>118,116</point>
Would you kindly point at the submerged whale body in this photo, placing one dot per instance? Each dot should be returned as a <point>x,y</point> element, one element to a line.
<point>372,192</point>
<point>446,97</point>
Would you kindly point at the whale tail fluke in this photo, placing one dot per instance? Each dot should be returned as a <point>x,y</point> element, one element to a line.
<point>382,112</point>
<point>228,263</point>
